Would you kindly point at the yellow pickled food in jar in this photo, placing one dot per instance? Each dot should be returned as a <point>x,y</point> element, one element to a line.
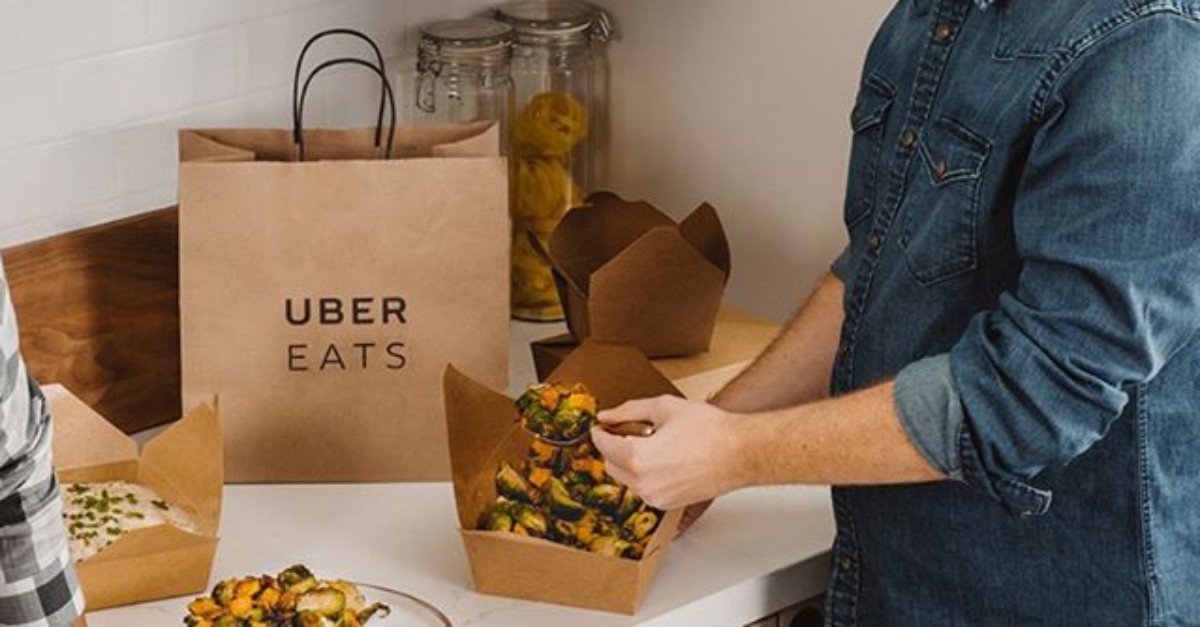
<point>545,132</point>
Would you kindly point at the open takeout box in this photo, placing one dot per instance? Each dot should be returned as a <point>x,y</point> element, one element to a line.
<point>484,431</point>
<point>626,273</point>
<point>183,465</point>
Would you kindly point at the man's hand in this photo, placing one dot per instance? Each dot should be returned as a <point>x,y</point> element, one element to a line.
<point>691,457</point>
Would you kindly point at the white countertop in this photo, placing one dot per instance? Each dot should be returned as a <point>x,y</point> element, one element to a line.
<point>754,553</point>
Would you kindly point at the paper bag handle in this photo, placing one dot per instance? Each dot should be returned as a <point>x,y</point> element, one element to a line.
<point>387,92</point>
<point>300,64</point>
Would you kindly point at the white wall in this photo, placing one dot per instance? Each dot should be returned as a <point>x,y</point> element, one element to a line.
<point>92,91</point>
<point>744,104</point>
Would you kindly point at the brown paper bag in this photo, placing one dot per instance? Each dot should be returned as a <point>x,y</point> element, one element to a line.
<point>323,299</point>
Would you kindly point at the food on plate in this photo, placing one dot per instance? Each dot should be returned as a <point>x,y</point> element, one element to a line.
<point>557,412</point>
<point>562,493</point>
<point>294,598</point>
<point>97,514</point>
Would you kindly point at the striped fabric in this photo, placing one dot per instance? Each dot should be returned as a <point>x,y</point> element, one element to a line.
<point>37,583</point>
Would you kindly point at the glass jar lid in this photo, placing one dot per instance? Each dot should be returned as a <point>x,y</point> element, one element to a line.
<point>555,21</point>
<point>466,41</point>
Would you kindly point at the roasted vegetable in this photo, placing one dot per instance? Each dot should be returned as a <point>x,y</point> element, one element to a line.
<point>609,546</point>
<point>510,483</point>
<point>323,601</point>
<point>561,503</point>
<point>295,598</point>
<point>606,497</point>
<point>562,493</point>
<point>556,412</point>
<point>641,524</point>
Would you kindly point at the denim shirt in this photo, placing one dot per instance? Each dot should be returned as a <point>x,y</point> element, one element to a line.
<point>1024,216</point>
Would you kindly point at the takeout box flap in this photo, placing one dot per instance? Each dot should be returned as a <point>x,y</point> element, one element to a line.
<point>83,438</point>
<point>185,465</point>
<point>484,431</point>
<point>177,570</point>
<point>589,236</point>
<point>669,311</point>
<point>627,273</point>
<point>702,229</point>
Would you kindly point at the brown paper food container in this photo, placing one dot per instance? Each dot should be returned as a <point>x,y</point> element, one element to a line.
<point>628,274</point>
<point>484,431</point>
<point>183,465</point>
<point>737,339</point>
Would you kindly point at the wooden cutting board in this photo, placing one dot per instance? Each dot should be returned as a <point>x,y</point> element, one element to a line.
<point>99,313</point>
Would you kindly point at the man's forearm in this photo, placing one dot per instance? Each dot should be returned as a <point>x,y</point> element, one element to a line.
<point>796,367</point>
<point>856,439</point>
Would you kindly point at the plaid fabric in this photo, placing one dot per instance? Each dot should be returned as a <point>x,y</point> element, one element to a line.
<point>37,583</point>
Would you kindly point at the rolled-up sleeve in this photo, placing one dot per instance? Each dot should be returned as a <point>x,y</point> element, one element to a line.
<point>1106,223</point>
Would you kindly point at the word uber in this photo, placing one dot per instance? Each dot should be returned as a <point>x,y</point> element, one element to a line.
<point>354,313</point>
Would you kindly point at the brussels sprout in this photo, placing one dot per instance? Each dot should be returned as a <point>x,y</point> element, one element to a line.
<point>223,592</point>
<point>297,579</point>
<point>354,598</point>
<point>510,483</point>
<point>323,601</point>
<point>496,521</point>
<point>609,546</point>
<point>605,496</point>
<point>563,531</point>
<point>561,503</point>
<point>641,524</point>
<point>532,520</point>
<point>630,503</point>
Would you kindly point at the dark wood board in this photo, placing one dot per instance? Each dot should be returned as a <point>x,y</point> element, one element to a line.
<point>98,310</point>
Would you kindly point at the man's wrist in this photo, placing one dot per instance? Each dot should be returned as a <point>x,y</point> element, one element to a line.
<point>746,436</point>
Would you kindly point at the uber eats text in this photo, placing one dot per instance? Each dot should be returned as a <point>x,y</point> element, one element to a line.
<point>386,312</point>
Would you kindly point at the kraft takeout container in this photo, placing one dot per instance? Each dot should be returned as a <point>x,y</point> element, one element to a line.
<point>183,465</point>
<point>626,273</point>
<point>484,431</point>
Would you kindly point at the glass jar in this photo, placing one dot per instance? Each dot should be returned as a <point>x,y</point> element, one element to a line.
<point>552,134</point>
<point>463,72</point>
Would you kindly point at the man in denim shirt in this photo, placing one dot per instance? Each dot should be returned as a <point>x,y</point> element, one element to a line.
<point>1015,388</point>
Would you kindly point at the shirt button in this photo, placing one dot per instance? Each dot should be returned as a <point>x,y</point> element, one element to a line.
<point>846,563</point>
<point>942,32</point>
<point>874,242</point>
<point>843,349</point>
<point>939,170</point>
<point>908,139</point>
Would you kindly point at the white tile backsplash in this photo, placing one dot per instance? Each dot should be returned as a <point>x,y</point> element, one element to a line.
<point>39,33</point>
<point>93,92</point>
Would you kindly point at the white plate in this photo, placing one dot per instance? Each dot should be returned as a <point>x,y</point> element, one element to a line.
<point>406,612</point>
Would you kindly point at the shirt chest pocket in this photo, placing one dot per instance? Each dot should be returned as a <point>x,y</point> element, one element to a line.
<point>941,214</point>
<point>868,120</point>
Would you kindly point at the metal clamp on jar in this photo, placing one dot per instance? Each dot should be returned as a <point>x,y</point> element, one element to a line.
<point>463,72</point>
